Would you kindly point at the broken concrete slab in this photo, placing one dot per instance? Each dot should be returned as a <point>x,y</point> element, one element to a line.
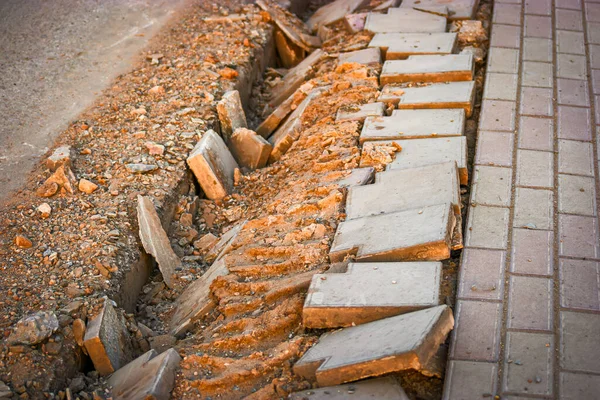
<point>231,113</point>
<point>370,57</point>
<point>405,189</point>
<point>355,22</point>
<point>283,110</point>
<point>360,112</point>
<point>423,233</point>
<point>414,124</point>
<point>107,340</point>
<point>428,68</point>
<point>405,20</point>
<point>60,156</point>
<point>213,165</point>
<point>406,341</point>
<point>332,12</point>
<point>155,240</point>
<point>457,9</point>
<point>249,149</point>
<point>437,10</point>
<point>370,291</point>
<point>432,96</point>
<point>398,46</point>
<point>223,244</point>
<point>150,376</point>
<point>379,388</point>
<point>289,53</point>
<point>354,177</point>
<point>387,4</point>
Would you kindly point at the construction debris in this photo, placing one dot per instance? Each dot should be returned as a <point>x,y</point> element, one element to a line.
<point>231,114</point>
<point>249,149</point>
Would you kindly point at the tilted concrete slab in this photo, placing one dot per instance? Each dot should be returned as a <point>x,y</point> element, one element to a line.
<point>355,22</point>
<point>249,149</point>
<point>431,96</point>
<point>213,165</point>
<point>231,113</point>
<point>357,177</point>
<point>385,388</point>
<point>370,56</point>
<point>359,113</point>
<point>405,20</point>
<point>332,12</point>
<point>405,189</point>
<point>438,10</point>
<point>406,341</point>
<point>414,124</point>
<point>370,291</point>
<point>457,9</point>
<point>398,46</point>
<point>428,68</point>
<point>272,121</point>
<point>423,233</point>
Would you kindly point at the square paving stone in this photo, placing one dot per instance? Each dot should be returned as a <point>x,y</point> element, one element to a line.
<point>357,177</point>
<point>533,208</point>
<point>532,252</point>
<point>538,26</point>
<point>537,74</point>
<point>468,380</point>
<point>423,152</point>
<point>494,148</point>
<point>398,190</point>
<point>398,46</point>
<point>575,157</point>
<point>578,236</point>
<point>435,95</point>
<point>576,195</point>
<point>405,20</point>
<point>457,9</point>
<point>414,124</point>
<point>539,7</point>
<point>370,56</point>
<point>573,92</point>
<point>536,133</point>
<point>529,363</point>
<point>482,274</point>
<point>535,168</point>
<point>593,29</point>
<point>570,42</point>
<point>574,123</point>
<point>569,20</point>
<point>378,388</point>
<point>571,66</point>
<point>507,14</point>
<point>506,36</point>
<point>592,12</point>
<point>428,68</point>
<point>332,12</point>
<point>500,87</point>
<point>530,303</point>
<point>249,149</point>
<point>579,341</point>
<point>406,341</point>
<point>419,234</point>
<point>360,112</point>
<point>498,115</point>
<point>487,227</point>
<point>370,291</point>
<point>536,101</point>
<point>491,186</point>
<point>231,114</point>
<point>503,60</point>
<point>477,333</point>
<point>578,386</point>
<point>537,49</point>
<point>579,280</point>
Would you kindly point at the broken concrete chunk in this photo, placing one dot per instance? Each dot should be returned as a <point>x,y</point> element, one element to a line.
<point>387,4</point>
<point>432,96</point>
<point>355,22</point>
<point>289,53</point>
<point>393,344</point>
<point>332,12</point>
<point>380,388</point>
<point>428,68</point>
<point>249,149</point>
<point>414,124</point>
<point>107,341</point>
<point>370,291</point>
<point>231,113</point>
<point>150,376</point>
<point>155,240</point>
<point>457,9</point>
<point>359,113</point>
<point>205,242</point>
<point>295,77</point>
<point>60,156</point>
<point>398,46</point>
<point>213,165</point>
<point>283,110</point>
<point>411,235</point>
<point>34,329</point>
<point>357,177</point>
<point>370,56</point>
<point>223,243</point>
<point>405,20</point>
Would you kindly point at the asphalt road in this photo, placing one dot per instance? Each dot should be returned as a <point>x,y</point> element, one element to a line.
<point>56,56</point>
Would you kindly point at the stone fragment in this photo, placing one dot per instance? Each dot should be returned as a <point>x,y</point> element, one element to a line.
<point>34,328</point>
<point>289,53</point>
<point>398,46</point>
<point>231,114</point>
<point>428,68</point>
<point>223,244</point>
<point>249,149</point>
<point>293,28</point>
<point>5,392</point>
<point>370,291</point>
<point>162,343</point>
<point>370,57</point>
<point>107,340</point>
<point>138,168</point>
<point>45,210</point>
<point>295,77</point>
<point>359,112</point>
<point>155,240</point>
<point>79,331</point>
<point>47,189</point>
<point>355,22</point>
<point>378,154</point>
<point>432,96</point>
<point>205,242</point>
<point>23,242</point>
<point>414,124</point>
<point>422,152</point>
<point>86,186</point>
<point>457,9</point>
<point>60,156</point>
<point>150,376</point>
<point>64,178</point>
<point>228,73</point>
<point>379,388</point>
<point>386,5</point>
<point>357,177</point>
<point>471,32</point>
<point>155,149</point>
<point>478,53</point>
<point>213,165</point>
<point>332,12</point>
<point>405,20</point>
<point>423,233</point>
<point>283,110</point>
<point>406,341</point>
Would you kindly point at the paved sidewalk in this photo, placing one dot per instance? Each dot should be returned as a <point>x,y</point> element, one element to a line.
<point>528,309</point>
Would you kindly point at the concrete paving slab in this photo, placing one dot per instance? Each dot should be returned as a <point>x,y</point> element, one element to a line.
<point>419,234</point>
<point>355,22</point>
<point>457,9</point>
<point>357,177</point>
<point>398,190</point>
<point>393,344</point>
<point>398,46</point>
<point>213,165</point>
<point>249,149</point>
<point>231,114</point>
<point>414,124</point>
<point>370,291</point>
<point>359,113</point>
<point>428,68</point>
<point>379,388</point>
<point>295,77</point>
<point>438,10</point>
<point>405,20</point>
<point>268,126</point>
<point>332,12</point>
<point>432,96</point>
<point>370,56</point>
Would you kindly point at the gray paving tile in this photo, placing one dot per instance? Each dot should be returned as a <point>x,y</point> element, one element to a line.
<point>570,42</point>
<point>538,26</point>
<point>593,30</point>
<point>579,284</point>
<point>506,36</point>
<point>535,168</point>
<point>529,363</point>
<point>530,303</point>
<point>537,74</point>
<point>538,7</point>
<point>578,386</point>
<point>571,66</point>
<point>428,68</point>
<point>487,227</point>
<point>497,115</point>
<point>370,56</point>
<point>533,209</point>
<point>579,341</point>
<point>569,4</point>
<point>494,148</point>
<point>536,133</point>
<point>378,388</point>
<point>532,252</point>
<point>507,14</point>
<point>575,157</point>
<point>574,123</point>
<point>577,236</point>
<point>576,195</point>
<point>405,20</point>
<point>568,20</point>
<point>360,112</point>
<point>537,49</point>
<point>477,333</point>
<point>592,12</point>
<point>536,101</point>
<point>573,92</point>
<point>481,274</point>
<point>500,87</point>
<point>466,380</point>
<point>491,185</point>
<point>401,45</point>
<point>503,60</point>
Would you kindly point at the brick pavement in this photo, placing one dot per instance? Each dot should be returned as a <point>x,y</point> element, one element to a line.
<point>528,308</point>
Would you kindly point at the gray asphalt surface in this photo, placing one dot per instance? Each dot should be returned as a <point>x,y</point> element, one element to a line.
<point>56,56</point>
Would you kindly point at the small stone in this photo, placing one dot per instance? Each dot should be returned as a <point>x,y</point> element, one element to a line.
<point>77,384</point>
<point>79,331</point>
<point>23,242</point>
<point>64,178</point>
<point>45,210</point>
<point>60,156</point>
<point>228,73</point>
<point>156,90</point>
<point>231,114</point>
<point>34,328</point>
<point>47,189</point>
<point>155,149</point>
<point>53,347</point>
<point>87,186</point>
<point>140,168</point>
<point>205,242</point>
